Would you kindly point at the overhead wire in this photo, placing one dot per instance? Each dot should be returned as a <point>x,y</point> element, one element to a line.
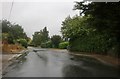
<point>11,10</point>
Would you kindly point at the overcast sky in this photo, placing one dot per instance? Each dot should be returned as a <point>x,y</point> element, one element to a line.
<point>34,16</point>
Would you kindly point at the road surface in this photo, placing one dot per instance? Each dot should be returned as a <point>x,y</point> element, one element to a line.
<point>59,63</point>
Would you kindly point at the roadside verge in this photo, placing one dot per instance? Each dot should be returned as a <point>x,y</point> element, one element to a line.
<point>9,59</point>
<point>102,58</point>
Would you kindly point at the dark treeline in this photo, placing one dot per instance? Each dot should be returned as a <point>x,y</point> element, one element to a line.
<point>95,30</point>
<point>41,38</point>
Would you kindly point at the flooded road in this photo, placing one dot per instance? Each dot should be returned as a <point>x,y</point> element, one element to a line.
<point>58,63</point>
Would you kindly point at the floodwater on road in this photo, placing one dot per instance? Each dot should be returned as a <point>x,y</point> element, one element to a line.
<point>59,63</point>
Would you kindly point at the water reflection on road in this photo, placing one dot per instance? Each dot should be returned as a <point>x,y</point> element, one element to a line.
<point>50,63</point>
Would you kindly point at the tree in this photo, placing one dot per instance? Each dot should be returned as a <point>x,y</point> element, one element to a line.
<point>105,18</point>
<point>5,26</point>
<point>17,32</point>
<point>45,34</point>
<point>37,39</point>
<point>40,37</point>
<point>95,31</point>
<point>75,27</point>
<point>56,39</point>
<point>13,29</point>
<point>12,32</point>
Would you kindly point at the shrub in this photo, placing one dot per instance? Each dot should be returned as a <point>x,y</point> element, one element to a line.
<point>23,42</point>
<point>63,45</point>
<point>47,44</point>
<point>8,37</point>
<point>97,43</point>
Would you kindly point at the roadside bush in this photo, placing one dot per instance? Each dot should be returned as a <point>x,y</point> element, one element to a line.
<point>47,44</point>
<point>91,43</point>
<point>63,45</point>
<point>8,37</point>
<point>23,42</point>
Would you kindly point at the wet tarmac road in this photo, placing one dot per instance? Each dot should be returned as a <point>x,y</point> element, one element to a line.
<point>58,63</point>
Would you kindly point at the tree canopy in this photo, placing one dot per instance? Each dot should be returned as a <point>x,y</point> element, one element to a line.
<point>105,16</point>
<point>12,32</point>
<point>40,37</point>
<point>96,29</point>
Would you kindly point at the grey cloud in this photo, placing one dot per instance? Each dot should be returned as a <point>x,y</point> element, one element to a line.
<point>33,16</point>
